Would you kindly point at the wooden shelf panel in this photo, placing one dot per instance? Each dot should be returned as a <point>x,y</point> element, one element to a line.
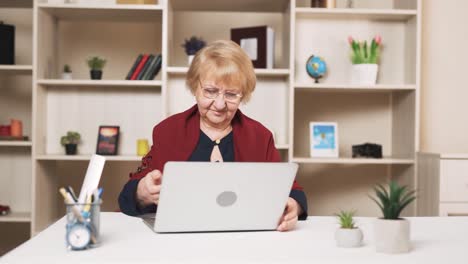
<point>258,72</point>
<point>59,157</point>
<point>352,13</point>
<point>16,217</point>
<point>387,161</point>
<point>16,69</point>
<point>101,83</point>
<point>355,88</point>
<point>15,143</point>
<point>104,12</point>
<point>16,3</point>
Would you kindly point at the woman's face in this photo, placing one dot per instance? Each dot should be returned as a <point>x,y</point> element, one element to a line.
<point>217,102</point>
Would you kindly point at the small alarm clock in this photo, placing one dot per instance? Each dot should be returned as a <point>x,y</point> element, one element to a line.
<point>78,236</point>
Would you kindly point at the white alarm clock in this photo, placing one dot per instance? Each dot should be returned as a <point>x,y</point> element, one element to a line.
<point>78,236</point>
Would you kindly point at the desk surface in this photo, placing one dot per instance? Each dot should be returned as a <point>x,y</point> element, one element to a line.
<point>128,239</point>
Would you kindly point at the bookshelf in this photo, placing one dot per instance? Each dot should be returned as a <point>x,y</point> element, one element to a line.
<point>386,113</point>
<point>16,102</point>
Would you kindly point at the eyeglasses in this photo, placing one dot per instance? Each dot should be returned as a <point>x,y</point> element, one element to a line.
<point>212,92</point>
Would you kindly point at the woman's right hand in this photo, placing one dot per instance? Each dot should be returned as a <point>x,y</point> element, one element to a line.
<point>148,189</point>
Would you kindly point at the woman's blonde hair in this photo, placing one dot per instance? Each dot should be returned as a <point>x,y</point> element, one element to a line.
<point>225,62</point>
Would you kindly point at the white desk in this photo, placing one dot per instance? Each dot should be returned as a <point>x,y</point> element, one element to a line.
<point>127,239</point>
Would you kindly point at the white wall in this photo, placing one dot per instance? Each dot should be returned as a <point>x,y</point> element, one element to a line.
<point>444,97</point>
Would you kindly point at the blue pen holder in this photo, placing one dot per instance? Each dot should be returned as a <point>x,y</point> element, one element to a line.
<point>83,225</point>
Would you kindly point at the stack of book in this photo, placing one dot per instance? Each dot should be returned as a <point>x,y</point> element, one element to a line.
<point>146,67</point>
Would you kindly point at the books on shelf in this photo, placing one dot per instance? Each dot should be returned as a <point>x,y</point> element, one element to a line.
<point>145,67</point>
<point>258,43</point>
<point>7,44</point>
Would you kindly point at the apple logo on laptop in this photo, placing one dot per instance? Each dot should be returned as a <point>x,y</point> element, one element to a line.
<point>226,198</point>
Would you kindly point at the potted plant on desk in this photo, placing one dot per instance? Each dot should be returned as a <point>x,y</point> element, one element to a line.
<point>392,233</point>
<point>70,142</point>
<point>96,64</point>
<point>348,235</point>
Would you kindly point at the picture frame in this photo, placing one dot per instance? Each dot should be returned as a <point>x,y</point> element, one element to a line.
<point>108,140</point>
<point>258,42</point>
<point>324,139</point>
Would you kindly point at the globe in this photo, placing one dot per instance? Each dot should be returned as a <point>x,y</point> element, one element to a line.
<point>316,67</point>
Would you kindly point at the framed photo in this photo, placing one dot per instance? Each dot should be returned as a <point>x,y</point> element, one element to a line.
<point>324,139</point>
<point>258,43</point>
<point>108,140</point>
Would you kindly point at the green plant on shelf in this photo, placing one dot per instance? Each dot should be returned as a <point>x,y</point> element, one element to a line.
<point>394,200</point>
<point>193,45</point>
<point>361,53</point>
<point>72,137</point>
<point>346,219</point>
<point>96,63</point>
<point>67,68</point>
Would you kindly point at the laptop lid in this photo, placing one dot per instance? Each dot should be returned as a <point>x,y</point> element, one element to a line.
<point>227,196</point>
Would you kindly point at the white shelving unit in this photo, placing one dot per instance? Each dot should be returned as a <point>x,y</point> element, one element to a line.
<point>286,99</point>
<point>17,217</point>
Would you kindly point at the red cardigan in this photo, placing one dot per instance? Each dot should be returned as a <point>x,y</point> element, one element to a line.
<point>175,138</point>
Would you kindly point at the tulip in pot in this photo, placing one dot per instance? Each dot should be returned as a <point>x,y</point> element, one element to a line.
<point>392,233</point>
<point>365,59</point>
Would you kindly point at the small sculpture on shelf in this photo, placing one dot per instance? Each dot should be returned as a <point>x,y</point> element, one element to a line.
<point>367,150</point>
<point>96,64</point>
<point>348,235</point>
<point>70,142</point>
<point>67,72</point>
<point>316,67</point>
<point>193,45</point>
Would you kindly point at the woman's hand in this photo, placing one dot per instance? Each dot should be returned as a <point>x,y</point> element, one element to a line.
<point>148,189</point>
<point>291,213</point>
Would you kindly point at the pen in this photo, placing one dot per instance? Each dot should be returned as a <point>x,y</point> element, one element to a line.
<point>69,200</point>
<point>72,193</point>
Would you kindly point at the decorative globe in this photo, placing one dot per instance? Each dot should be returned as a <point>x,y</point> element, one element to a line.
<point>316,67</point>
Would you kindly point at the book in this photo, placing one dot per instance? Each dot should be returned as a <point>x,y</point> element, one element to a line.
<point>135,64</point>
<point>145,67</point>
<point>7,44</point>
<point>156,67</point>
<point>139,67</point>
<point>147,74</point>
<point>258,43</point>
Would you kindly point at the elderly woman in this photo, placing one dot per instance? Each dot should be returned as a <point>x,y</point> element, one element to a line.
<point>220,77</point>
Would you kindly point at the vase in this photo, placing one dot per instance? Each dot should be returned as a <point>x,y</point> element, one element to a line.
<point>364,74</point>
<point>392,236</point>
<point>16,128</point>
<point>348,237</point>
<point>67,76</point>
<point>190,59</point>
<point>96,75</point>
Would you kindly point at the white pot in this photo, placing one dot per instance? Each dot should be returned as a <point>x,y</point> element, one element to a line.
<point>67,76</point>
<point>347,238</point>
<point>392,236</point>
<point>364,74</point>
<point>190,59</point>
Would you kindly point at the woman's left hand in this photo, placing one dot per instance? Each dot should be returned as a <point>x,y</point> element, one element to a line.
<point>289,219</point>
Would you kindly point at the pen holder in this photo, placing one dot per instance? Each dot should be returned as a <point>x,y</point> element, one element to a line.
<point>83,227</point>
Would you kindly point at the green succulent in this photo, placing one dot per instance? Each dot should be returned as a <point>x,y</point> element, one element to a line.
<point>346,219</point>
<point>67,68</point>
<point>96,63</point>
<point>394,200</point>
<point>72,137</point>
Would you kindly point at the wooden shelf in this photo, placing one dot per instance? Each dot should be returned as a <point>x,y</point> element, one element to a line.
<point>388,161</point>
<point>282,146</point>
<point>16,69</point>
<point>344,13</point>
<point>16,217</point>
<point>228,5</point>
<point>59,157</point>
<point>104,12</point>
<point>101,83</point>
<point>258,72</point>
<point>355,88</point>
<point>16,3</point>
<point>4,143</point>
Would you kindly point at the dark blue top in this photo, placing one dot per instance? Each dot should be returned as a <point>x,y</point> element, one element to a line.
<point>127,197</point>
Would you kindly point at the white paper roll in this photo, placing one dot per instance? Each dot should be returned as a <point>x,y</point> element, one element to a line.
<point>93,176</point>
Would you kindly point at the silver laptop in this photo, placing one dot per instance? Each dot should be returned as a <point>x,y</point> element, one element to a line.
<point>228,196</point>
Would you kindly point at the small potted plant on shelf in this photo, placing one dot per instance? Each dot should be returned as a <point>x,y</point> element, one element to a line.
<point>96,64</point>
<point>191,47</point>
<point>70,142</point>
<point>365,60</point>
<point>67,73</point>
<point>392,233</point>
<point>348,235</point>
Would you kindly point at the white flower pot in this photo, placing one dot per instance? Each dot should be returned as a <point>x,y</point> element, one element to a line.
<point>364,74</point>
<point>67,76</point>
<point>190,59</point>
<point>392,236</point>
<point>348,238</point>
